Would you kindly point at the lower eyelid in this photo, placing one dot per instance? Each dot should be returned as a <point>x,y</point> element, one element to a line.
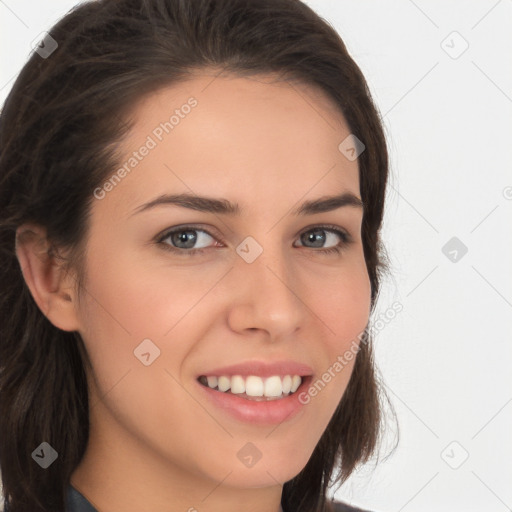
<point>344,237</point>
<point>161,239</point>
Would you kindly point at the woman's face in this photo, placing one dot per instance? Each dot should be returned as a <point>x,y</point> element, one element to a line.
<point>156,316</point>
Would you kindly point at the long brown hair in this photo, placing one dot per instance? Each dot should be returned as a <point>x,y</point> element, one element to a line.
<point>58,125</point>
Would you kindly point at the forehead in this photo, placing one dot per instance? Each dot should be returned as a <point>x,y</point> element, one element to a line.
<point>250,138</point>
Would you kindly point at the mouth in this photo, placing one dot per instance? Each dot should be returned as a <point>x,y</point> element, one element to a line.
<point>254,399</point>
<point>258,392</point>
<point>254,387</point>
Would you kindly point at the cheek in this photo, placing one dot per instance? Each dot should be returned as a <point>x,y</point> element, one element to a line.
<point>139,298</point>
<point>129,302</point>
<point>126,303</point>
<point>343,304</point>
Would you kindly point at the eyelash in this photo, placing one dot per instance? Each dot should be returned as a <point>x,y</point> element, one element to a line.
<point>345,240</point>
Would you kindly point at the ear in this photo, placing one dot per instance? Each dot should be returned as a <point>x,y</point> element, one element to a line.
<point>52,288</point>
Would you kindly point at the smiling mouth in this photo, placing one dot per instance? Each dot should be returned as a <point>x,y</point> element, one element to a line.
<point>253,387</point>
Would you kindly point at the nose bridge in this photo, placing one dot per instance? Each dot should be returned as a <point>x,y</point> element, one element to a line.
<point>264,259</point>
<point>266,295</point>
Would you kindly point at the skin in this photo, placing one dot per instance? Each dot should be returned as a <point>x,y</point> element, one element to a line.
<point>155,442</point>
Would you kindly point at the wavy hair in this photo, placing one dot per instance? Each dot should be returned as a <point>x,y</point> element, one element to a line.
<point>59,123</point>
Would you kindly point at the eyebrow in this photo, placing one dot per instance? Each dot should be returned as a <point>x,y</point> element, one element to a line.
<point>225,207</point>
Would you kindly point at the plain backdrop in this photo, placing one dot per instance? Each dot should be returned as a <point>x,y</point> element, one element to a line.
<point>440,74</point>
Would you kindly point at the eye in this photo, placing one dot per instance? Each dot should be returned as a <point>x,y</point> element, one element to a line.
<point>325,234</point>
<point>184,238</point>
<point>181,240</point>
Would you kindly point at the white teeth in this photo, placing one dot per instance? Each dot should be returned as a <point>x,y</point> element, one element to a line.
<point>237,384</point>
<point>254,386</point>
<point>224,383</point>
<point>296,380</point>
<point>274,386</point>
<point>287,384</point>
<point>212,382</point>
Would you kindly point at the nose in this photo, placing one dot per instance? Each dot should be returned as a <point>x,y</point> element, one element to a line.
<point>265,295</point>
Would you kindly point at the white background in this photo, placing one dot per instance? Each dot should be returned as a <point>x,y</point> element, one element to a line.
<point>446,357</point>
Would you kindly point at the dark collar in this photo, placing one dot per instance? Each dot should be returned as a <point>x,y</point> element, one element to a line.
<point>77,502</point>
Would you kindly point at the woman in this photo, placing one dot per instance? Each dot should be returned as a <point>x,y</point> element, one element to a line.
<point>191,201</point>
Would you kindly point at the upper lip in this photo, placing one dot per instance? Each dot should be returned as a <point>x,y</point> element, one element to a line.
<point>261,368</point>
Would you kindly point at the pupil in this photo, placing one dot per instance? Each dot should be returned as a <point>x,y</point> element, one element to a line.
<point>317,237</point>
<point>187,237</point>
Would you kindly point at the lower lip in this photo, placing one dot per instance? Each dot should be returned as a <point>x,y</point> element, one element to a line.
<point>260,413</point>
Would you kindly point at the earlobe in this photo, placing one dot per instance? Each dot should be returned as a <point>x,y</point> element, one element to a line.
<point>50,285</point>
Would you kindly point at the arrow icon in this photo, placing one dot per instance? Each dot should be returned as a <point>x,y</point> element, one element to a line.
<point>249,252</point>
<point>351,147</point>
<point>44,455</point>
<point>147,352</point>
<point>454,249</point>
<point>454,45</point>
<point>249,455</point>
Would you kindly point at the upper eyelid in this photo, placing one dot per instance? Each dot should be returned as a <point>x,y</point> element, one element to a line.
<point>176,229</point>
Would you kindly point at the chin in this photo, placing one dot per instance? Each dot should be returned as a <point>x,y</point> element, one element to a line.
<point>265,476</point>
